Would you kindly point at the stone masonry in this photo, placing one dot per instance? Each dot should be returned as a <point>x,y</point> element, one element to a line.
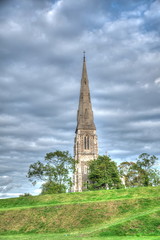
<point>86,143</point>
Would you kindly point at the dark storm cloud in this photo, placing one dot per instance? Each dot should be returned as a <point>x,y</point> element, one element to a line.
<point>41,43</point>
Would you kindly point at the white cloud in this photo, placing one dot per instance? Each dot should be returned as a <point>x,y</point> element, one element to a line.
<point>9,195</point>
<point>153,11</point>
<point>148,123</point>
<point>157,82</point>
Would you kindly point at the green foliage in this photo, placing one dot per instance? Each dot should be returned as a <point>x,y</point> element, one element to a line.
<point>129,173</point>
<point>103,174</point>
<point>143,165</point>
<point>141,172</point>
<point>54,172</point>
<point>145,161</point>
<point>52,187</point>
<point>154,177</point>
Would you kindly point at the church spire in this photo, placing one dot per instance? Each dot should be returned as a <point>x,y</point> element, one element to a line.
<point>84,57</point>
<point>85,142</point>
<point>85,114</point>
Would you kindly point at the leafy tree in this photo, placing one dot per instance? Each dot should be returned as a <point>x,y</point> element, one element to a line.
<point>154,177</point>
<point>52,187</point>
<point>141,172</point>
<point>103,174</point>
<point>144,163</point>
<point>128,171</point>
<point>54,172</point>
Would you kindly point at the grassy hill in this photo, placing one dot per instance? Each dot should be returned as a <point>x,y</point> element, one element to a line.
<point>111,214</point>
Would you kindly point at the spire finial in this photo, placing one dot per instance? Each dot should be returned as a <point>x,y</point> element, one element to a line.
<point>84,57</point>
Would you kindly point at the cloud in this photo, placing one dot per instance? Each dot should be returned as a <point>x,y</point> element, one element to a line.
<point>4,180</point>
<point>6,184</point>
<point>157,82</point>
<point>151,17</point>
<point>41,63</point>
<point>9,195</point>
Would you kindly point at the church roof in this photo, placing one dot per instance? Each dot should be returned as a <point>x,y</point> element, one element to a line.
<point>85,118</point>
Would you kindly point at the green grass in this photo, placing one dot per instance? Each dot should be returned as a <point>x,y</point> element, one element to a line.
<point>112,214</point>
<point>83,197</point>
<point>136,226</point>
<point>72,217</point>
<point>68,237</point>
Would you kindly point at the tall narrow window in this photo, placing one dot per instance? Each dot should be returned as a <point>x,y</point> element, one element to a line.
<point>86,142</point>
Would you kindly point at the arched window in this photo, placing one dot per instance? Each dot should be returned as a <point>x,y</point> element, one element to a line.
<point>86,142</point>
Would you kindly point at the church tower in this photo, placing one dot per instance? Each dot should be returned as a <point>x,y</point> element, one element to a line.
<point>85,143</point>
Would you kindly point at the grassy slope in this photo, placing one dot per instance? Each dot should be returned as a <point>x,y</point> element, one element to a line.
<point>136,226</point>
<point>102,213</point>
<point>69,198</point>
<point>67,237</point>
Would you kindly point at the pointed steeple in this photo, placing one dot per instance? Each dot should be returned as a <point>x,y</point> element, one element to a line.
<point>85,114</point>
<point>85,142</point>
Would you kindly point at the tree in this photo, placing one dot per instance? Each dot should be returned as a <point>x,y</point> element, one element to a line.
<point>128,171</point>
<point>54,172</point>
<point>144,163</point>
<point>52,187</point>
<point>103,174</point>
<point>154,177</point>
<point>141,172</point>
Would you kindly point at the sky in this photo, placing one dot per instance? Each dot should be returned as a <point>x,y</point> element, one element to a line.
<point>41,54</point>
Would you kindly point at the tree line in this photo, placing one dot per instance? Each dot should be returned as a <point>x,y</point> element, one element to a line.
<point>103,173</point>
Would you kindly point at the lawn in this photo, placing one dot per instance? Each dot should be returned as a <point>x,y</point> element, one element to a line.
<point>73,237</point>
<point>114,214</point>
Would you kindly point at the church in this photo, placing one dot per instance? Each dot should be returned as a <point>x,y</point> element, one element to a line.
<point>85,143</point>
